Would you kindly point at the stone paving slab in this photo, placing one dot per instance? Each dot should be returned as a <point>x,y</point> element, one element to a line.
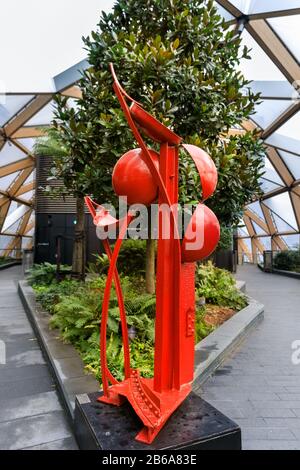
<point>31,415</point>
<point>259,386</point>
<point>33,430</point>
<point>68,443</point>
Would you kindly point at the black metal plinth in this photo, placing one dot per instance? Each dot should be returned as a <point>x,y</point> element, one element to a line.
<point>195,425</point>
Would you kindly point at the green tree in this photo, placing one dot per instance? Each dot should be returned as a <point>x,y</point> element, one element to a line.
<point>180,60</point>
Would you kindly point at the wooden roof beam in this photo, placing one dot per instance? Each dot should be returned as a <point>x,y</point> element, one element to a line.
<point>26,114</point>
<point>29,131</point>
<point>280,166</point>
<point>274,48</point>
<point>261,223</point>
<point>16,166</point>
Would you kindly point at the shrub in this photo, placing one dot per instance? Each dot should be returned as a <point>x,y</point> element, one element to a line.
<point>131,261</point>
<point>218,287</point>
<point>45,273</point>
<point>288,260</point>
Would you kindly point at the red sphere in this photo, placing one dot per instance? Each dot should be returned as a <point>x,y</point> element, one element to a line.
<point>132,178</point>
<point>202,235</point>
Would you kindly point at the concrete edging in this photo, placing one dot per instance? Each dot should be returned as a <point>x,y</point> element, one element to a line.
<point>281,272</point>
<point>68,369</point>
<point>9,264</point>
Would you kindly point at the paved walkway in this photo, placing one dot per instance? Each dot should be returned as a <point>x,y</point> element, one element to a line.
<point>259,386</point>
<point>31,416</point>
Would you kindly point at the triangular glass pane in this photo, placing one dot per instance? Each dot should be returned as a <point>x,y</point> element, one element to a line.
<point>242,5</point>
<point>43,117</point>
<point>271,174</point>
<point>281,205</point>
<point>243,232</point>
<point>288,30</point>
<point>11,105</point>
<point>257,228</point>
<point>281,225</point>
<point>28,196</point>
<point>28,142</point>
<point>260,67</point>
<point>4,241</point>
<point>255,207</point>
<point>292,162</point>
<point>285,143</point>
<point>291,127</point>
<point>224,13</point>
<point>292,241</point>
<point>268,186</point>
<point>10,153</point>
<point>266,242</point>
<point>30,178</point>
<point>6,181</point>
<point>262,6</point>
<point>13,228</point>
<point>268,111</point>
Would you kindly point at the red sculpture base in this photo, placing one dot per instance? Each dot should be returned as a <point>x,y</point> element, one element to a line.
<point>153,408</point>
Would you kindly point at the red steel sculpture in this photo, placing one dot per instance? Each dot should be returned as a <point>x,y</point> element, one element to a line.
<point>145,176</point>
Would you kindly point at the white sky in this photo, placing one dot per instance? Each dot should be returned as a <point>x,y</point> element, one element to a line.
<point>41,38</point>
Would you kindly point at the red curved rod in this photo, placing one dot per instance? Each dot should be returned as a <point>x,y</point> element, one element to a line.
<point>158,179</point>
<point>105,305</point>
<point>92,208</point>
<point>122,312</point>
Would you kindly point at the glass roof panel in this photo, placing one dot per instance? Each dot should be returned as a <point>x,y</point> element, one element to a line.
<point>292,162</point>
<point>11,104</point>
<point>4,241</point>
<point>271,174</point>
<point>268,111</point>
<point>13,228</point>
<point>274,89</point>
<point>27,142</point>
<point>281,225</point>
<point>288,30</point>
<point>243,232</point>
<point>30,178</point>
<point>242,5</point>
<point>260,67</point>
<point>6,181</point>
<point>10,153</point>
<point>13,206</point>
<point>292,241</point>
<point>292,127</point>
<point>266,242</point>
<point>224,13</point>
<point>261,6</point>
<point>283,142</point>
<point>257,228</point>
<point>43,117</point>
<point>255,207</point>
<point>28,196</point>
<point>281,205</point>
<point>268,186</point>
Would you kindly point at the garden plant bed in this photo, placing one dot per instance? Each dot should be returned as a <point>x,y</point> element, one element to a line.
<point>68,367</point>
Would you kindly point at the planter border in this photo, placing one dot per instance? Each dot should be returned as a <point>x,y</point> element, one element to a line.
<point>281,272</point>
<point>10,264</point>
<point>67,367</point>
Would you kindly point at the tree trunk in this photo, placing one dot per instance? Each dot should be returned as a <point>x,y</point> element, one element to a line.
<point>78,261</point>
<point>150,266</point>
<point>150,259</point>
